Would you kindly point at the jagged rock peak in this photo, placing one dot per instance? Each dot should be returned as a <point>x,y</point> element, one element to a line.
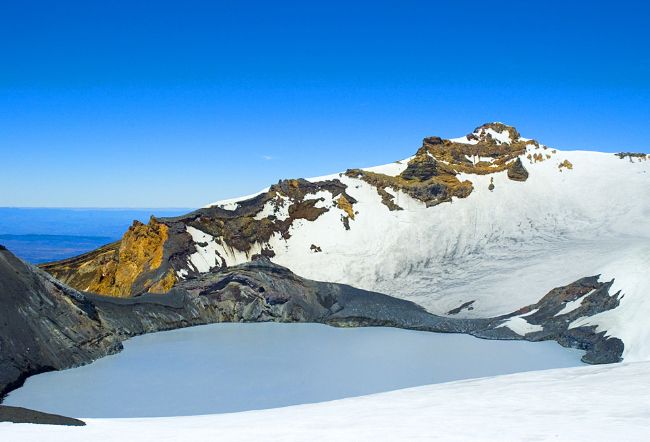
<point>497,133</point>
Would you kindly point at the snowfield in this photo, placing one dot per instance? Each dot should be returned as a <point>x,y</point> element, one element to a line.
<point>596,403</point>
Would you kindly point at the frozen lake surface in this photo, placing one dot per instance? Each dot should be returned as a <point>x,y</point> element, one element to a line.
<point>235,367</point>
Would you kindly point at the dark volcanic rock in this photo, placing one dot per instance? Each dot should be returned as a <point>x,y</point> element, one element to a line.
<point>549,313</point>
<point>517,171</point>
<point>20,415</point>
<point>465,305</point>
<point>632,155</point>
<point>421,170</point>
<point>43,325</point>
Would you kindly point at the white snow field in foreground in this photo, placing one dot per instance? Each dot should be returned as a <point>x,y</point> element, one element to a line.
<point>596,403</point>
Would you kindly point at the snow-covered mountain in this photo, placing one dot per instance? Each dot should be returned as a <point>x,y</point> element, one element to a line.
<point>477,226</point>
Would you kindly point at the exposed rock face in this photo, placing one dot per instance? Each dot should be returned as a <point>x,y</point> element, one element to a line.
<point>566,164</point>
<point>438,189</point>
<point>19,415</point>
<point>485,155</point>
<point>517,171</point>
<point>465,305</point>
<point>346,206</point>
<point>421,168</point>
<point>431,175</point>
<point>639,156</point>
<point>120,269</point>
<point>45,325</point>
<point>87,270</point>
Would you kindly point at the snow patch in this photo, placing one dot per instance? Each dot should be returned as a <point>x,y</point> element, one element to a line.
<point>500,137</point>
<point>210,252</point>
<point>463,140</point>
<point>520,325</point>
<point>232,203</point>
<point>392,169</point>
<point>278,207</point>
<point>572,305</point>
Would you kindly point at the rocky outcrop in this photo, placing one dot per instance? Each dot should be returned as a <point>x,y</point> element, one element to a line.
<point>565,164</point>
<point>431,176</point>
<point>517,171</point>
<point>480,155</point>
<point>639,156</point>
<point>44,325</point>
<point>437,189</point>
<point>346,206</point>
<point>423,167</point>
<point>87,270</point>
<point>121,269</point>
<point>19,415</point>
<point>557,317</point>
<point>464,306</point>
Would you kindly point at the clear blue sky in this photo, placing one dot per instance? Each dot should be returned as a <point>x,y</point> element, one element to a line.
<point>178,104</point>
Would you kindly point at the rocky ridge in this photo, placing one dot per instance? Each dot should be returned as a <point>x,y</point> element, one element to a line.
<point>154,257</point>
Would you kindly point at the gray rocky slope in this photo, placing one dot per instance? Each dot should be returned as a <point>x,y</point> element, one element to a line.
<point>45,325</point>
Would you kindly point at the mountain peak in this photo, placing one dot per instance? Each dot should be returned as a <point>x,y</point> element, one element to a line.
<point>491,133</point>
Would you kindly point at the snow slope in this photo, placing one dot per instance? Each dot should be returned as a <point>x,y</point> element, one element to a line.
<point>503,249</point>
<point>596,403</point>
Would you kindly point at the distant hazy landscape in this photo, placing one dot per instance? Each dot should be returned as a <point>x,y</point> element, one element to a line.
<point>40,235</point>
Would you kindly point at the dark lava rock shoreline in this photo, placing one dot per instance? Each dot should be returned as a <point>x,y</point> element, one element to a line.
<point>19,415</point>
<point>46,325</point>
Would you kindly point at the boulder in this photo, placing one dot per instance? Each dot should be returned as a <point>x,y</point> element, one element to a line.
<point>517,171</point>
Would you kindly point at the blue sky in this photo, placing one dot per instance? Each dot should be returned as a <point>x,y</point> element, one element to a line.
<point>178,104</point>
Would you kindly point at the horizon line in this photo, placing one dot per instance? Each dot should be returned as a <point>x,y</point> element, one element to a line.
<point>98,207</point>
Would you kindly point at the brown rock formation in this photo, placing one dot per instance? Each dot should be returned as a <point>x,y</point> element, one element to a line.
<point>566,164</point>
<point>114,269</point>
<point>345,205</point>
<point>517,171</point>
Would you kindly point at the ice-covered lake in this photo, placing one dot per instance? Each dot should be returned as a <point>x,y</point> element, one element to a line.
<point>235,367</point>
